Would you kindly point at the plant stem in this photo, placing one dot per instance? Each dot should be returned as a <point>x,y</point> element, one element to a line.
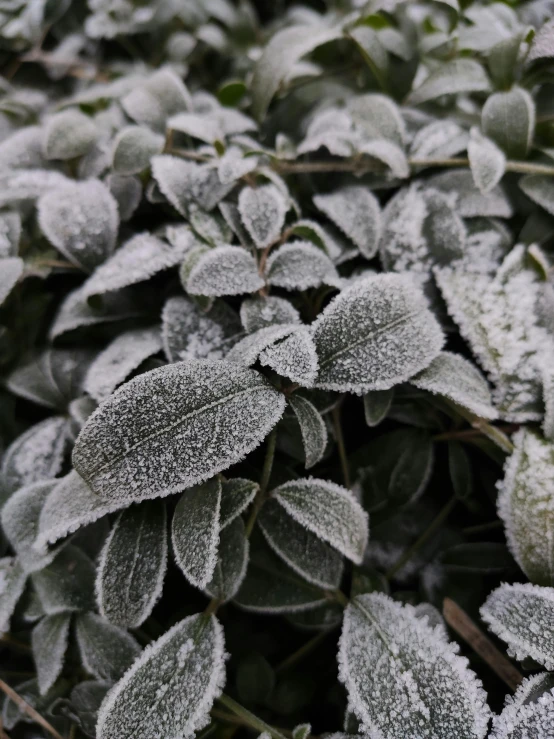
<point>435,524</point>
<point>249,718</point>
<point>481,527</point>
<point>463,625</point>
<point>29,710</point>
<point>264,482</point>
<point>303,651</point>
<point>341,446</point>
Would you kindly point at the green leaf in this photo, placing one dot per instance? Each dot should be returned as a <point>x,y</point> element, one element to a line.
<point>164,442</point>
<point>529,712</point>
<point>106,650</point>
<point>540,189</point>
<point>261,312</point>
<point>355,210</point>
<point>157,98</point>
<point>293,357</point>
<point>67,584</point>
<point>300,265</point>
<point>255,678</point>
<point>372,50</point>
<point>232,561</point>
<point>486,160</point>
<point>226,270</point>
<point>454,77</point>
<point>502,60</point>
<point>68,134</point>
<point>376,406</point>
<point>263,210</point>
<point>133,148</point>
<point>312,428</point>
<point>542,46</point>
<point>49,641</point>
<point>236,496</point>
<point>12,579</point>
<point>508,118</point>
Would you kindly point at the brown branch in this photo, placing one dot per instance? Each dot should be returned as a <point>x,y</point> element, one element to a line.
<point>29,710</point>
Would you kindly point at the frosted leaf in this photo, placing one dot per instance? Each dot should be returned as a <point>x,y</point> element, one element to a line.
<point>195,531</point>
<point>169,690</point>
<point>190,333</point>
<point>377,117</point>
<point>329,511</point>
<point>68,134</point>
<point>458,380</point>
<point>11,269</point>
<point>263,210</point>
<point>542,45</point>
<point>439,140</point>
<point>302,731</point>
<point>280,55</point>
<point>312,231</point>
<point>121,357</point>
<point>204,127</point>
<point>487,161</point>
<point>333,129</point>
<point>261,312</point>
<point>132,565</point>
<point>548,397</point>
<point>526,505</point>
<point>521,615</point>
<point>389,154</point>
<point>226,270</point>
<point>233,165</point>
<point>133,148</point>
<point>49,641</point>
<point>403,678</point>
<point>22,149</point>
<point>247,350</point>
<point>312,428</point>
<point>299,266</point>
<point>137,260</point>
<point>355,210</point>
<point>540,190</point>
<point>12,584</point>
<point>81,220</point>
<point>497,316</point>
<point>67,584</point>
<point>106,650</point>
<point>453,77</point>
<point>232,561</point>
<point>487,242</point>
<point>162,95</point>
<point>209,226</point>
<point>236,496</point>
<point>207,189</point>
<point>529,712</point>
<point>376,405</point>
<point>468,201</point>
<point>375,334</point>
<point>303,551</point>
<point>294,357</point>
<point>10,233</point>
<point>20,521</point>
<point>174,177</point>
<point>22,185</point>
<point>35,455</point>
<point>182,424</point>
<point>127,191</point>
<point>508,118</point>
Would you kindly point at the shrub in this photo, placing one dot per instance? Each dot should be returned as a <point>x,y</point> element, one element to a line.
<point>277,401</point>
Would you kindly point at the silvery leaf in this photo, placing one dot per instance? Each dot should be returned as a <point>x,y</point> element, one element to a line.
<point>49,640</point>
<point>263,210</point>
<point>106,650</point>
<point>162,95</point>
<point>487,161</point>
<point>294,357</point>
<point>226,270</point>
<point>232,561</point>
<point>453,77</point>
<point>299,266</point>
<point>67,583</point>
<point>236,496</point>
<point>529,712</point>
<point>355,210</point>
<point>133,149</point>
<point>11,269</point>
<point>68,134</point>
<point>312,428</point>
<point>261,312</point>
<point>12,584</point>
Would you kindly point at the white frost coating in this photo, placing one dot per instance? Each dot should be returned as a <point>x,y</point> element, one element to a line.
<point>439,140</point>
<point>29,184</point>
<point>123,355</point>
<point>22,149</point>
<point>49,640</point>
<point>540,190</point>
<point>136,261</point>
<point>526,505</point>
<point>106,650</point>
<point>170,689</point>
<point>247,350</point>
<point>20,521</point>
<point>11,269</point>
<point>162,95</point>
<point>68,134</point>
<point>498,317</point>
<point>133,147</point>
<point>190,333</point>
<point>468,200</point>
<point>457,379</point>
<point>487,161</point>
<point>355,210</point>
<point>67,584</point>
<point>375,334</point>
<point>522,615</point>
<point>225,270</point>
<point>132,565</point>
<point>236,496</point>
<point>12,584</point>
<point>81,220</point>
<point>451,78</point>
<point>312,428</point>
<point>299,266</point>
<point>403,679</point>
<point>70,505</point>
<point>233,165</point>
<point>261,312</point>
<point>321,236</point>
<point>303,551</point>
<point>232,562</point>
<point>195,531</point>
<point>529,713</point>
<point>35,455</point>
<point>200,126</point>
<point>329,511</point>
<point>388,153</point>
<point>174,178</point>
<point>294,357</point>
<point>182,424</point>
<point>263,210</point>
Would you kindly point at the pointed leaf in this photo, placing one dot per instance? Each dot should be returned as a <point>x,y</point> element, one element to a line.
<point>106,650</point>
<point>487,161</point>
<point>68,134</point>
<point>389,154</point>
<point>162,95</point>
<point>49,640</point>
<point>376,406</point>
<point>440,139</point>
<point>540,189</point>
<point>312,428</point>
<point>232,561</point>
<point>261,312</point>
<point>355,210</point>
<point>226,270</point>
<point>529,712</point>
<point>12,584</point>
<point>299,266</point>
<point>294,357</point>
<point>459,75</point>
<point>67,584</point>
<point>236,496</point>
<point>247,350</point>
<point>263,212</point>
<point>133,148</point>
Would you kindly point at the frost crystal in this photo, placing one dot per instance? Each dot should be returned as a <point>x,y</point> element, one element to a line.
<point>526,505</point>
<point>232,561</point>
<point>12,584</point>
<point>247,351</point>
<point>375,334</point>
<point>183,423</point>
<point>261,312</point>
<point>226,270</point>
<point>299,266</point>
<point>68,134</point>
<point>388,153</point>
<point>403,678</point>
<point>236,496</point>
<point>439,140</point>
<point>67,584</point>
<point>456,76</point>
<point>294,357</point>
<point>170,689</point>
<point>355,210</point>
<point>11,269</point>
<point>469,201</point>
<point>487,161</point>
<point>106,650</point>
<point>312,428</point>
<point>263,212</point>
<point>329,511</point>
<point>521,615</point>
<point>49,641</point>
<point>529,713</point>
<point>133,148</point>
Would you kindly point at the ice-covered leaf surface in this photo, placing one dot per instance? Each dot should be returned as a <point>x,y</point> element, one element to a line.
<point>294,357</point>
<point>12,583</point>
<point>170,689</point>
<point>375,334</point>
<point>163,94</point>
<point>195,531</point>
<point>11,269</point>
<point>403,678</point>
<point>390,154</point>
<point>81,220</point>
<point>248,349</point>
<point>261,312</point>
<point>469,201</point>
<point>509,119</point>
<point>68,134</point>
<point>236,496</point>
<point>183,423</point>
<point>312,428</point>
<point>521,615</point>
<point>529,712</point>
<point>526,505</point>
<point>355,210</point>
<point>232,561</point>
<point>133,148</point>
<point>67,584</point>
<point>456,76</point>
<point>329,511</point>
<point>132,565</point>
<point>487,161</point>
<point>107,651</point>
<point>49,641</point>
<point>262,210</point>
<point>439,139</point>
<point>300,265</point>
<point>539,188</point>
<point>226,270</point>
